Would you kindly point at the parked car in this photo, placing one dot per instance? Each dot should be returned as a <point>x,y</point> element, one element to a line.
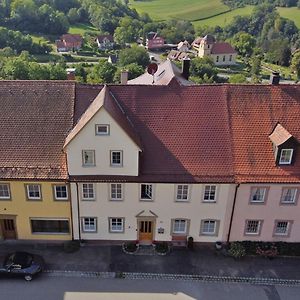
<point>22,264</point>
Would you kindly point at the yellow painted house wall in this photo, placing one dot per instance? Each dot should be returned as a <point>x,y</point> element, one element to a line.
<point>24,209</point>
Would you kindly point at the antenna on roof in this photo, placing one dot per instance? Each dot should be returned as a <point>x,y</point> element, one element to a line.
<point>152,69</point>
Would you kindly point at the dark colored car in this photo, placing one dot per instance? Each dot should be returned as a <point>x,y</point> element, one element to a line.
<point>22,264</point>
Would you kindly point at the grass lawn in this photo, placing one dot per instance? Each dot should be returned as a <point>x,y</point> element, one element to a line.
<point>285,72</point>
<point>180,9</point>
<point>81,28</point>
<point>225,18</point>
<point>292,13</point>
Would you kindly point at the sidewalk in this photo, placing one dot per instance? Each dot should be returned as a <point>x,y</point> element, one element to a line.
<point>202,261</point>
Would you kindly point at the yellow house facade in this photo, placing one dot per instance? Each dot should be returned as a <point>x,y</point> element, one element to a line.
<point>35,117</point>
<point>35,210</point>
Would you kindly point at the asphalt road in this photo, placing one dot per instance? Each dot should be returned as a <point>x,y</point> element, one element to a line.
<point>48,287</point>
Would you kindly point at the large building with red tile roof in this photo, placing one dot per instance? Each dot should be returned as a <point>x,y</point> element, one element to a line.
<point>150,162</point>
<point>222,53</point>
<point>69,42</point>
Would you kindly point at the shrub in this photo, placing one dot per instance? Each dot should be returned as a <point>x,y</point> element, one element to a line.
<point>130,247</point>
<point>237,250</point>
<point>267,250</point>
<point>162,247</point>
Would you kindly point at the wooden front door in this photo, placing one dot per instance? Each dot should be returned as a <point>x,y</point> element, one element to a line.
<point>146,230</point>
<point>8,228</point>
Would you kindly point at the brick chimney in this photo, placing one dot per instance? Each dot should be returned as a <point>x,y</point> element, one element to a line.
<point>186,68</point>
<point>124,77</point>
<point>274,78</point>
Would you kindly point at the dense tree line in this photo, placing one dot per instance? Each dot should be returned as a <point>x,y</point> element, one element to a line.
<point>241,3</point>
<point>22,67</point>
<point>19,42</point>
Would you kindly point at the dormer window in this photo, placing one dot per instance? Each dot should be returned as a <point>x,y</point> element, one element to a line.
<point>286,156</point>
<point>284,145</point>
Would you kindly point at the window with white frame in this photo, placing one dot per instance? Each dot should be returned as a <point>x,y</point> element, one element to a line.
<point>253,227</point>
<point>224,57</point>
<point>217,59</point>
<point>209,193</point>
<point>208,227</point>
<point>89,224</point>
<point>4,191</point>
<point>116,191</point>
<point>288,195</point>
<point>281,228</point>
<point>286,156</point>
<point>102,129</point>
<point>88,158</point>
<point>33,191</point>
<point>258,195</point>
<point>116,158</point>
<point>116,224</point>
<point>182,192</point>
<point>146,191</point>
<point>180,226</point>
<point>60,192</point>
<point>88,191</point>
<point>230,57</point>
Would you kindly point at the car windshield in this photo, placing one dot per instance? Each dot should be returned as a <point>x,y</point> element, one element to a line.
<point>22,259</point>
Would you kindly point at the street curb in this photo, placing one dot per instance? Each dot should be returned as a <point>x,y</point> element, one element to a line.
<point>156,276</point>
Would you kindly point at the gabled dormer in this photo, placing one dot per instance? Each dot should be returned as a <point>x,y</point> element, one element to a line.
<point>104,141</point>
<point>284,146</point>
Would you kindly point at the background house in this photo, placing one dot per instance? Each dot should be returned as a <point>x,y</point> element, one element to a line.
<point>154,41</point>
<point>105,42</point>
<point>222,53</point>
<point>69,42</point>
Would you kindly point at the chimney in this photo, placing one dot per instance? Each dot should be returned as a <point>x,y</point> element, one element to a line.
<point>274,78</point>
<point>186,68</point>
<point>124,77</point>
<point>71,73</point>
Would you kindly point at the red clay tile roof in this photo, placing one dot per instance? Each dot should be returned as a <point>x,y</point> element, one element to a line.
<point>279,135</point>
<point>35,117</point>
<point>184,131</point>
<point>222,48</point>
<point>254,112</point>
<point>106,100</point>
<point>72,38</point>
<point>100,38</point>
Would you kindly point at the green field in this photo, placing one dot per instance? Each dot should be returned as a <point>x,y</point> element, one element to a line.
<point>224,19</point>
<point>292,13</point>
<point>80,28</point>
<point>191,10</point>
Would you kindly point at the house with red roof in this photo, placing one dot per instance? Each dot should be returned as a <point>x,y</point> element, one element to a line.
<point>105,41</point>
<point>69,42</point>
<point>222,53</point>
<point>150,162</point>
<point>154,41</point>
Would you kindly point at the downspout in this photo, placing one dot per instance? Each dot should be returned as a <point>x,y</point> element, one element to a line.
<point>232,213</point>
<point>78,211</point>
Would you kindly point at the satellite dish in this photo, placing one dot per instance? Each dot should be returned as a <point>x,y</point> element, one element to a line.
<point>152,68</point>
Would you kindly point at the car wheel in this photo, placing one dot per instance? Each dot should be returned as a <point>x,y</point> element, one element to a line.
<point>28,277</point>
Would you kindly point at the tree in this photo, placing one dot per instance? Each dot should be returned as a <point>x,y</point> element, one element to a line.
<point>135,54</point>
<point>203,70</point>
<point>295,65</point>
<point>73,15</point>
<point>279,53</point>
<point>103,72</point>
<point>244,43</point>
<point>238,78</point>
